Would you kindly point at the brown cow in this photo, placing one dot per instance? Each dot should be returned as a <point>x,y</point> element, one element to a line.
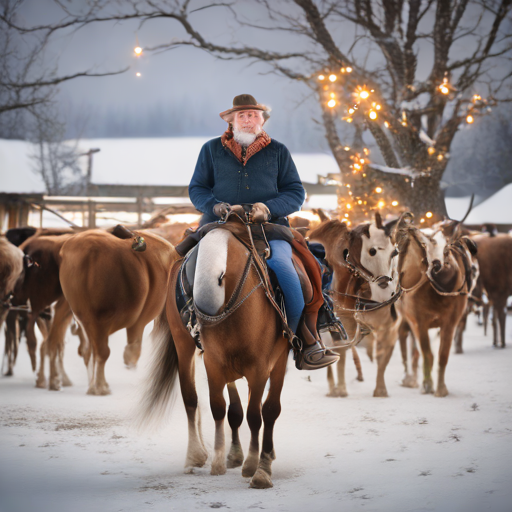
<point>11,269</point>
<point>495,261</point>
<point>109,287</point>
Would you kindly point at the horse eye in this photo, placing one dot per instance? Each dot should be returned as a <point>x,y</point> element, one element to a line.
<point>373,251</point>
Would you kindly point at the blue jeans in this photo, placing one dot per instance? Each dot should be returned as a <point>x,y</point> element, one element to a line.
<point>281,263</point>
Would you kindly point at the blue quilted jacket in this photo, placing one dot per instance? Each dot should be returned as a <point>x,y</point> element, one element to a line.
<point>269,177</point>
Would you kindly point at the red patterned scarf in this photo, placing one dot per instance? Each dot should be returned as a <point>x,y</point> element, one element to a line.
<point>228,141</point>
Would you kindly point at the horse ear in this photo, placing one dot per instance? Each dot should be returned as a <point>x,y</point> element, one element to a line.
<point>378,220</point>
<point>471,245</point>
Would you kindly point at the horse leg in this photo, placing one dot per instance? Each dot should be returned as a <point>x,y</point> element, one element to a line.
<point>133,346</point>
<point>216,383</point>
<point>459,332</point>
<point>196,451</point>
<point>447,333</point>
<point>357,363</point>
<point>235,418</point>
<point>55,340</point>
<point>44,327</point>
<point>271,411</point>
<point>98,337</point>
<point>415,361</point>
<point>485,316</point>
<point>494,326</point>
<point>408,380</point>
<point>421,333</point>
<point>384,351</point>
<point>256,383</point>
<point>341,389</point>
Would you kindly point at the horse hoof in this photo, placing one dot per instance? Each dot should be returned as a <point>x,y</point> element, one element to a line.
<point>380,393</point>
<point>41,383</point>
<point>459,351</point>
<point>54,385</point>
<point>103,391</point>
<point>249,468</point>
<point>196,460</point>
<point>427,389</point>
<point>409,382</point>
<point>9,373</point>
<point>441,391</point>
<point>337,393</point>
<point>218,469</point>
<point>235,457</point>
<point>260,480</point>
<point>360,378</point>
<point>66,382</point>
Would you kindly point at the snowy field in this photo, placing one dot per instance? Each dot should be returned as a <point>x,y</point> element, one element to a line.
<point>65,451</point>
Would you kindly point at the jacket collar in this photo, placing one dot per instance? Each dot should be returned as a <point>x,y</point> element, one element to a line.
<point>228,141</point>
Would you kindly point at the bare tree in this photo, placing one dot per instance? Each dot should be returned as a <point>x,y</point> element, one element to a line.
<point>377,81</point>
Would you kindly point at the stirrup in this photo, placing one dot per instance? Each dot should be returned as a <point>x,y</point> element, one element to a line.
<point>314,357</point>
<point>328,321</point>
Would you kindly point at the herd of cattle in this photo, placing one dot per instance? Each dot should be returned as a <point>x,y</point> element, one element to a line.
<point>393,281</point>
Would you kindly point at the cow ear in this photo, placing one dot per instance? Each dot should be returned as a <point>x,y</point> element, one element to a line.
<point>378,220</point>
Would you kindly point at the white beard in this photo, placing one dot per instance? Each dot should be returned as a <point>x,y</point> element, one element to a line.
<point>244,138</point>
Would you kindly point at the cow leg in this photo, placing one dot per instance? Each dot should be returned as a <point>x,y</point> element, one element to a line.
<point>384,351</point>
<point>494,326</point>
<point>485,315</point>
<point>502,319</point>
<point>61,321</point>
<point>31,338</point>
<point>256,383</point>
<point>235,418</point>
<point>12,331</point>
<point>271,411</point>
<point>357,363</point>
<point>44,327</point>
<point>133,346</point>
<point>447,333</point>
<point>100,353</point>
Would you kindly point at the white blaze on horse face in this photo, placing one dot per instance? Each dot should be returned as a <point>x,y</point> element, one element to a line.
<point>436,242</point>
<point>376,257</point>
<point>209,287</point>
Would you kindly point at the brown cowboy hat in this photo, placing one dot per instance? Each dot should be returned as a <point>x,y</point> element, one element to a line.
<point>244,102</point>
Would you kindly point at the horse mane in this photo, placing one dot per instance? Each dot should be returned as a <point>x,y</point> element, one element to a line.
<point>329,231</point>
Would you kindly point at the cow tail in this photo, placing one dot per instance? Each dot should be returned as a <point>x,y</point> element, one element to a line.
<point>159,393</point>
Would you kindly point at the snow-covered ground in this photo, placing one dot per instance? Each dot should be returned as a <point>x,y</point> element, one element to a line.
<point>67,451</point>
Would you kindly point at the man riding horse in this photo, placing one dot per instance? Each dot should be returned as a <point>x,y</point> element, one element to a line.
<point>246,166</point>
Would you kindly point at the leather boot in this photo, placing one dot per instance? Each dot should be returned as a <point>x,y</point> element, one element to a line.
<point>313,354</point>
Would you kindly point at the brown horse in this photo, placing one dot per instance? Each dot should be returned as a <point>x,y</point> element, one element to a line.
<point>436,278</point>
<point>110,287</point>
<point>365,279</point>
<point>231,302</point>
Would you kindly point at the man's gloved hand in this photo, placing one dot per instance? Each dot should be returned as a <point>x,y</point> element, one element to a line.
<point>221,209</point>
<point>259,213</point>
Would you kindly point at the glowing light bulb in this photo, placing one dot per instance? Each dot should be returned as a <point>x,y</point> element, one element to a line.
<point>361,161</point>
<point>431,150</point>
<point>349,69</point>
<point>138,74</point>
<point>444,89</point>
<point>381,204</point>
<point>332,78</point>
<point>333,95</point>
<point>331,103</point>
<point>372,114</point>
<point>364,94</point>
<point>351,111</point>
<point>349,206</point>
<point>428,215</point>
<point>378,190</point>
<point>357,166</point>
<point>440,157</point>
<point>346,148</point>
<point>346,214</point>
<point>395,203</point>
<point>386,124</point>
<point>321,77</point>
<point>469,119</point>
<point>378,107</point>
<point>138,51</point>
<point>422,221</point>
<point>343,70</point>
<point>359,202</point>
<point>349,120</point>
<point>477,97</point>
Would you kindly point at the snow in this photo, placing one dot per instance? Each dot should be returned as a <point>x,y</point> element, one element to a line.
<point>16,168</point>
<point>496,209</point>
<point>135,161</point>
<point>66,451</point>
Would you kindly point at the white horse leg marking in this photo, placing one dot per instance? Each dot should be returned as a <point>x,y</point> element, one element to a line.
<point>196,452</point>
<point>209,291</point>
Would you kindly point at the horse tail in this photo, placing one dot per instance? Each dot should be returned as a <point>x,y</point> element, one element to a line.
<point>161,379</point>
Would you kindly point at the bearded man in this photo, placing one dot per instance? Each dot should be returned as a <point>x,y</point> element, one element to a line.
<point>246,166</point>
